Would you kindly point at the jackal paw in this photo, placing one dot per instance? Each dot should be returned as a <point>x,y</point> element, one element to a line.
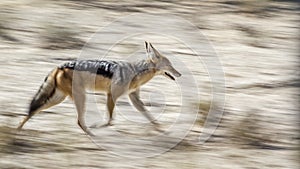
<point>157,127</point>
<point>155,123</point>
<point>89,133</point>
<point>98,125</point>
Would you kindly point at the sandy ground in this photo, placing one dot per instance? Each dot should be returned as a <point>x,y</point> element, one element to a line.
<point>257,43</point>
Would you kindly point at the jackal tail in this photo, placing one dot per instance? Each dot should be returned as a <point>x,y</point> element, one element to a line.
<point>47,96</point>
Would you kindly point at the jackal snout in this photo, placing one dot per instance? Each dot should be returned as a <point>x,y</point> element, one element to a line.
<point>171,72</point>
<point>175,72</point>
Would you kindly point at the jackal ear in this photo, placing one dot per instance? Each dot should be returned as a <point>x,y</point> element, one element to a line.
<point>147,45</point>
<point>152,53</point>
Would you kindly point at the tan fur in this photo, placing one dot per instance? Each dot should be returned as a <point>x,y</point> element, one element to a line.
<point>142,79</point>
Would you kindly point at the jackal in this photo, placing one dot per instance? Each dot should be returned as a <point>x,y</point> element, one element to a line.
<point>115,78</point>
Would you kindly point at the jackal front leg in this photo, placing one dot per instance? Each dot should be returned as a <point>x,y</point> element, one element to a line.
<point>110,107</point>
<point>110,103</point>
<point>139,105</point>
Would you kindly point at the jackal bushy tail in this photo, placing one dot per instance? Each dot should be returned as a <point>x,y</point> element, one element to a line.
<point>47,96</point>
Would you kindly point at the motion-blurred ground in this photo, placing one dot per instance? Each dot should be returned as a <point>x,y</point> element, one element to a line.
<point>258,45</point>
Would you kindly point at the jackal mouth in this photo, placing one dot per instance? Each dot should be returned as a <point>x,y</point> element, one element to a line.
<point>169,75</point>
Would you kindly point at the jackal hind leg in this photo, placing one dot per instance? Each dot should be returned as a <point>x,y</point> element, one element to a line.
<point>79,101</point>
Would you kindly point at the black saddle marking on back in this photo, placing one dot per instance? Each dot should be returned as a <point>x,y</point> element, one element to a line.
<point>100,67</point>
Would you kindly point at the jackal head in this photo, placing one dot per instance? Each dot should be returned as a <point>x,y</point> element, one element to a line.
<point>162,64</point>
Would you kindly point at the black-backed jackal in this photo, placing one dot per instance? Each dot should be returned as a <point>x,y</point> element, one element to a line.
<point>114,78</point>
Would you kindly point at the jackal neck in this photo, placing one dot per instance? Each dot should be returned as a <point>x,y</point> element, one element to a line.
<point>144,67</point>
<point>144,71</point>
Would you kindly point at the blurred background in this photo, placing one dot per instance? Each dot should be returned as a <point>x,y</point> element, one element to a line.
<point>257,42</point>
